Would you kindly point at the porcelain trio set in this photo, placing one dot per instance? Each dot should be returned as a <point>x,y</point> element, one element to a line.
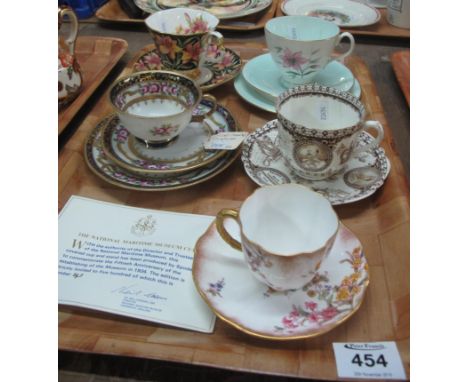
<point>155,139</point>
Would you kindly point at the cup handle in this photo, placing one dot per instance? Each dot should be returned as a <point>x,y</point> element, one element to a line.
<point>377,126</point>
<point>200,118</point>
<point>341,57</point>
<point>220,217</point>
<point>71,38</point>
<point>215,38</point>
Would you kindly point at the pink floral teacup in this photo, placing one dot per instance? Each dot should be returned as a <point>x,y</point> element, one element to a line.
<point>302,45</point>
<point>155,106</point>
<point>182,36</point>
<point>285,232</point>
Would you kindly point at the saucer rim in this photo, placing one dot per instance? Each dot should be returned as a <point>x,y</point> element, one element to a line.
<point>206,86</point>
<point>293,177</point>
<point>143,171</point>
<point>255,95</point>
<point>270,97</point>
<point>253,333</point>
<point>364,4</point>
<point>91,136</point>
<point>244,12</point>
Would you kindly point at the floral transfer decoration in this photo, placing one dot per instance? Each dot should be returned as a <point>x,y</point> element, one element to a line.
<point>165,90</point>
<point>333,16</point>
<point>216,288</point>
<point>327,301</point>
<point>178,52</point>
<point>223,63</point>
<point>335,293</point>
<point>296,63</point>
<point>164,130</point>
<point>196,25</point>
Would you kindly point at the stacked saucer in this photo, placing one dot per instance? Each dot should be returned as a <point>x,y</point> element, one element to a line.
<point>345,13</point>
<point>118,157</point>
<point>222,9</point>
<point>220,65</point>
<point>260,83</point>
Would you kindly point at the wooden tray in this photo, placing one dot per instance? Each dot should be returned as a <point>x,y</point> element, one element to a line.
<point>382,29</point>
<point>381,222</point>
<point>112,12</point>
<point>401,66</point>
<point>96,56</point>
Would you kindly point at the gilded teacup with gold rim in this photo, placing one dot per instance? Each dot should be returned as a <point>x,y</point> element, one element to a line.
<point>182,36</point>
<point>155,106</point>
<point>285,233</point>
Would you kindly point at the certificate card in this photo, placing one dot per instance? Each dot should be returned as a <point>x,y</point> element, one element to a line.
<point>132,262</point>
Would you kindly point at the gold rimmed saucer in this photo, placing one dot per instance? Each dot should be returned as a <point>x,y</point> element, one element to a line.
<point>184,154</point>
<point>222,11</point>
<point>334,294</point>
<point>220,65</point>
<point>109,171</point>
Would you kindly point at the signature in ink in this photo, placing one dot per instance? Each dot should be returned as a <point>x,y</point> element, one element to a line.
<point>134,290</point>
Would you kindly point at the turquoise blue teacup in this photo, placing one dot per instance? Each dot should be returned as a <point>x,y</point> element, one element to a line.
<point>302,45</point>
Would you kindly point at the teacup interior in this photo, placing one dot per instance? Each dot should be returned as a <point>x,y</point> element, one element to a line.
<point>181,21</point>
<point>156,108</point>
<point>302,28</point>
<point>288,219</point>
<point>154,95</point>
<point>321,112</point>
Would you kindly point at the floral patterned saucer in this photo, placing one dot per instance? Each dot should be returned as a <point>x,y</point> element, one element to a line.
<point>220,66</point>
<point>186,153</point>
<point>106,169</point>
<point>360,178</point>
<point>227,286</point>
<point>345,13</point>
<point>220,9</point>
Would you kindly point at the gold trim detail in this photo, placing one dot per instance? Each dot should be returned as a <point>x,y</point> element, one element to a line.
<point>105,178</point>
<point>246,330</point>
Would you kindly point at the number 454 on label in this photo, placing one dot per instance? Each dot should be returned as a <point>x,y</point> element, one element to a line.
<point>373,360</point>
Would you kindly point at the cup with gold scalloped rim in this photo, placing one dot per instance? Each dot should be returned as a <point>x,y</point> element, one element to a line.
<point>334,294</point>
<point>186,153</point>
<point>106,169</point>
<point>219,65</point>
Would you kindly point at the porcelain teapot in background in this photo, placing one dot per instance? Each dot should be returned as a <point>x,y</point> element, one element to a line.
<point>69,75</point>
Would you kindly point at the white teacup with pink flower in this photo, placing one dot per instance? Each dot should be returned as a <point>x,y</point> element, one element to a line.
<point>155,106</point>
<point>301,46</point>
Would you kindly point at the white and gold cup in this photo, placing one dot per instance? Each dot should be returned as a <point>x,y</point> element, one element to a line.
<point>155,106</point>
<point>286,231</point>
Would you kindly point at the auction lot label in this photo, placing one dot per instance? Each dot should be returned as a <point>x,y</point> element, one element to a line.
<point>373,360</point>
